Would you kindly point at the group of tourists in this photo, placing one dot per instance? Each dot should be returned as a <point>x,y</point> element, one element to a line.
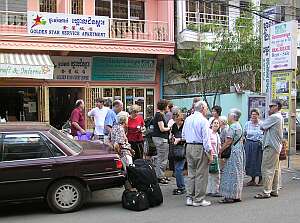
<point>217,152</point>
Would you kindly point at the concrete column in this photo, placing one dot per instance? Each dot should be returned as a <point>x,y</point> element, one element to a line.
<point>233,13</point>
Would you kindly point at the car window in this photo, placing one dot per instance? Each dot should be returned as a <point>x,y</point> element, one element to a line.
<point>54,150</point>
<point>24,146</point>
<point>72,144</point>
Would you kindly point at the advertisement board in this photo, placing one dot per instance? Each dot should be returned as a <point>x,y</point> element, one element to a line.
<point>67,25</point>
<point>284,46</point>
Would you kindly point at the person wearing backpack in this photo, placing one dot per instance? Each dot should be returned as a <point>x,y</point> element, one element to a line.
<point>178,152</point>
<point>160,138</point>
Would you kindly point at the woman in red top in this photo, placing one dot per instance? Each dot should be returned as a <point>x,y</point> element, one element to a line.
<point>134,134</point>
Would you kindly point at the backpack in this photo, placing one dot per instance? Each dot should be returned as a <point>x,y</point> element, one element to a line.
<point>135,200</point>
<point>141,174</point>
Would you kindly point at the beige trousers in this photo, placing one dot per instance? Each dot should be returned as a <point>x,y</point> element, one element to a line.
<point>269,169</point>
<point>197,179</point>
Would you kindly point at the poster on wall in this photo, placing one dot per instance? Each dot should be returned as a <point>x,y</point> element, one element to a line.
<point>67,25</point>
<point>281,89</point>
<point>258,102</point>
<point>72,68</point>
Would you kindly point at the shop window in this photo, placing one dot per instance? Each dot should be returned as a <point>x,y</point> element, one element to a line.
<point>120,9</point>
<point>103,7</point>
<point>13,12</point>
<point>48,6</point>
<point>77,7</point>
<point>137,9</point>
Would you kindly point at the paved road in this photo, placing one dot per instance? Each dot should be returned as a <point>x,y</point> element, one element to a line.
<point>106,207</point>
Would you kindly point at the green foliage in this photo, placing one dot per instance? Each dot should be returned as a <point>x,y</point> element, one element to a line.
<point>230,50</point>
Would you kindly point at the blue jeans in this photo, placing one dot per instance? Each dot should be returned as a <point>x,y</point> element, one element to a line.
<point>179,166</point>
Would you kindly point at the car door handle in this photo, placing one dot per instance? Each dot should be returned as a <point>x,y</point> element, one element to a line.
<point>46,168</point>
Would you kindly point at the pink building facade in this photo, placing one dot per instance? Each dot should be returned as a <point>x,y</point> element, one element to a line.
<point>114,49</point>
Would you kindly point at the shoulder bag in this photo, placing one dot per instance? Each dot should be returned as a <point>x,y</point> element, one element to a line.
<point>227,152</point>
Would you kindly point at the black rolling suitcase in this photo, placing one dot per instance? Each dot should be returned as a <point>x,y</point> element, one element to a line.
<point>142,176</point>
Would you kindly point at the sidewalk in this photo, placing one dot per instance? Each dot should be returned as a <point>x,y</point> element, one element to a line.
<point>294,163</point>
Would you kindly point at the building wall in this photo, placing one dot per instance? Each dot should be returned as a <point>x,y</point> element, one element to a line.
<point>226,101</point>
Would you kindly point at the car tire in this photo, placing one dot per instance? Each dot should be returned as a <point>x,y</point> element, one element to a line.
<point>65,196</point>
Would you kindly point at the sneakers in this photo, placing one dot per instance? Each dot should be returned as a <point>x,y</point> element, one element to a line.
<point>203,203</point>
<point>189,201</point>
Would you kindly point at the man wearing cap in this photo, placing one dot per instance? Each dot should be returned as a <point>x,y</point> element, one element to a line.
<point>272,144</point>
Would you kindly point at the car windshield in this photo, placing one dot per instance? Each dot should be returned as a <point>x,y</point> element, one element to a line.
<point>72,144</point>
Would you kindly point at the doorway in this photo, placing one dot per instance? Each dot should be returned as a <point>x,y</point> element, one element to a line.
<point>61,103</point>
<point>19,104</point>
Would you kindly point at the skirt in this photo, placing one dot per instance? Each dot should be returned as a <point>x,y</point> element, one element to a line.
<point>253,151</point>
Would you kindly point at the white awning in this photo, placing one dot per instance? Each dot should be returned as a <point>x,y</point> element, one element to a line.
<point>37,66</point>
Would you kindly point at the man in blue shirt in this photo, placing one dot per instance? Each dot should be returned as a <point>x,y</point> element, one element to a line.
<point>111,117</point>
<point>198,154</point>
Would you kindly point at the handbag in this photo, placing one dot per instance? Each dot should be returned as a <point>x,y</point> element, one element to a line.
<point>227,152</point>
<point>214,166</point>
<point>178,152</point>
<point>282,154</point>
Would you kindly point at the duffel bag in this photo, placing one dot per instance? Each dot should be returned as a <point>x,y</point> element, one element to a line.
<point>154,194</point>
<point>135,200</point>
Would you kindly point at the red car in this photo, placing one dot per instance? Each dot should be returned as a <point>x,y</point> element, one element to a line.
<point>39,162</point>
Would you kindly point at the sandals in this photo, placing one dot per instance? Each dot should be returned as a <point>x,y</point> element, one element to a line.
<point>273,194</point>
<point>178,191</point>
<point>251,183</point>
<point>162,181</point>
<point>227,201</point>
<point>262,196</point>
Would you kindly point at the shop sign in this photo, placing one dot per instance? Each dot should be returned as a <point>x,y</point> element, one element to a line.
<point>26,71</point>
<point>284,46</point>
<point>123,69</point>
<point>265,54</point>
<point>67,25</point>
<point>72,68</point>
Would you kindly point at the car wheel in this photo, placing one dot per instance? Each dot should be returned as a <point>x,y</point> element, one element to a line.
<point>65,196</point>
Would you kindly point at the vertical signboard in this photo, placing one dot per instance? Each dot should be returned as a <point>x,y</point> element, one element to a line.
<point>265,54</point>
<point>283,63</point>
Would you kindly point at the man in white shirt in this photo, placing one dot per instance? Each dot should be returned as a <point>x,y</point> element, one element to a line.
<point>198,154</point>
<point>99,113</point>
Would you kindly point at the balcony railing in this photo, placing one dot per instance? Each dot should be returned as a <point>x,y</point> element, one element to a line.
<point>16,23</point>
<point>204,18</point>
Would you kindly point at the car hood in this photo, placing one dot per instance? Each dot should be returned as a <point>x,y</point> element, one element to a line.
<point>95,148</point>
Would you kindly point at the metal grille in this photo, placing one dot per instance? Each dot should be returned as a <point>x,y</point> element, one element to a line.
<point>48,6</point>
<point>77,7</point>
